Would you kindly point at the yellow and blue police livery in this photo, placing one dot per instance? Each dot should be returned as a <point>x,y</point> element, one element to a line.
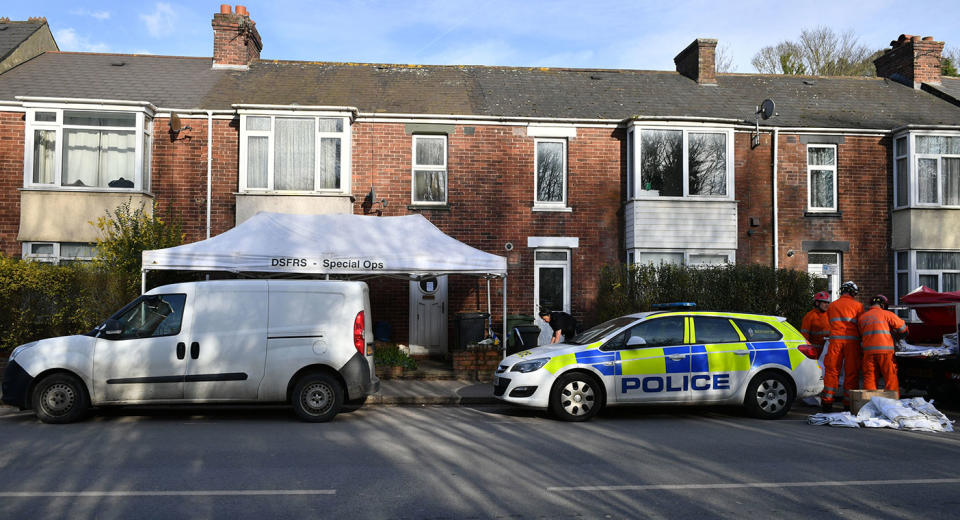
<point>668,357</point>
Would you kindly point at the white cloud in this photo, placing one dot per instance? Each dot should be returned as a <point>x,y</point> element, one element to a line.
<point>99,15</point>
<point>68,40</point>
<point>161,21</point>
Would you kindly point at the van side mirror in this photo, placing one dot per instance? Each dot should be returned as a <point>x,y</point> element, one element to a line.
<point>111,329</point>
<point>635,341</point>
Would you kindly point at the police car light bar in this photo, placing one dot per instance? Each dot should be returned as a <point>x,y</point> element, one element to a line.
<point>674,305</point>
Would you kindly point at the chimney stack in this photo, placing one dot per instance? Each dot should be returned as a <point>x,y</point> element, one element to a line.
<point>911,60</point>
<point>699,61</point>
<point>236,42</point>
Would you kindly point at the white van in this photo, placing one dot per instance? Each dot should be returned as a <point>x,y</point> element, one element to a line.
<point>307,343</point>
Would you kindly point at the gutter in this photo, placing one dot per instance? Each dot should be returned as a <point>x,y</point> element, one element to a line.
<point>60,100</point>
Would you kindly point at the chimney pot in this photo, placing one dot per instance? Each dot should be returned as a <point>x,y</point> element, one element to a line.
<point>911,60</point>
<point>236,41</point>
<point>242,10</point>
<point>225,9</point>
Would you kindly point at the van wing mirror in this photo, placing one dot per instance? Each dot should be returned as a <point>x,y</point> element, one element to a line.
<point>636,341</point>
<point>111,329</point>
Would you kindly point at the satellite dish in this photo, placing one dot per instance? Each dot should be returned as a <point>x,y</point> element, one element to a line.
<point>766,109</point>
<point>176,125</point>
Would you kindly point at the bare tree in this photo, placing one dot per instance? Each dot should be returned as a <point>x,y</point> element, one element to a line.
<point>819,51</point>
<point>950,63</point>
<point>724,59</point>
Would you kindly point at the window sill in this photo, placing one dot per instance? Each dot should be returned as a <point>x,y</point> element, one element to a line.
<point>552,209</point>
<point>828,214</point>
<point>293,194</point>
<point>78,189</point>
<point>428,207</point>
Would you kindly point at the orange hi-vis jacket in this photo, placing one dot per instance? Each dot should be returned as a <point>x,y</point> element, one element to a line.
<point>842,314</point>
<point>815,327</point>
<point>875,326</point>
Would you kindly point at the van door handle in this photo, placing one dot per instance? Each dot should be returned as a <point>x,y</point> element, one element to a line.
<point>194,350</point>
<point>741,352</point>
<point>181,350</point>
<point>677,357</point>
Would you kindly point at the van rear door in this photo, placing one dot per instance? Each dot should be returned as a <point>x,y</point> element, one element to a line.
<point>227,349</point>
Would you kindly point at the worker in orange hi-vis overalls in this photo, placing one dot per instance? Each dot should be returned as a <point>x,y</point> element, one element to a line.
<point>877,328</point>
<point>815,326</point>
<point>844,347</point>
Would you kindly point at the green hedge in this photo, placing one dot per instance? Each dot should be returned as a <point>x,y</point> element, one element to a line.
<point>40,300</point>
<point>754,289</point>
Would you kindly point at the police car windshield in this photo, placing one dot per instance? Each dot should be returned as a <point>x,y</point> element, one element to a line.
<point>600,331</point>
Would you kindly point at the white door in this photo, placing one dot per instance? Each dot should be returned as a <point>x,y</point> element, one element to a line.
<point>428,316</point>
<point>826,266</point>
<point>227,349</point>
<point>551,286</point>
<point>147,362</point>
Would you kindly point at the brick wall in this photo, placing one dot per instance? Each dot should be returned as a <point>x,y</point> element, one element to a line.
<point>865,192</point>
<point>11,179</point>
<point>180,174</point>
<point>491,192</point>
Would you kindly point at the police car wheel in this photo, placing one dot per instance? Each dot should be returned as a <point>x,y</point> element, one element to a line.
<point>60,398</point>
<point>575,397</point>
<point>769,396</point>
<point>317,398</point>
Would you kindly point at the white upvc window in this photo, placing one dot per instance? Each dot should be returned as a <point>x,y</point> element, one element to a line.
<point>822,178</point>
<point>680,163</point>
<point>550,181</point>
<point>693,258</point>
<point>937,270</point>
<point>87,147</point>
<point>294,152</point>
<point>59,252</point>
<point>826,266</point>
<point>429,170</point>
<point>901,173</point>
<point>927,169</point>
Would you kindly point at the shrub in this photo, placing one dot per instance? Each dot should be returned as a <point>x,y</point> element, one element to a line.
<point>391,356</point>
<point>40,300</point>
<point>126,233</point>
<point>752,288</point>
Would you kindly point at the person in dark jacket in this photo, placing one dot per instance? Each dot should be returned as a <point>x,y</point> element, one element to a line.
<point>561,323</point>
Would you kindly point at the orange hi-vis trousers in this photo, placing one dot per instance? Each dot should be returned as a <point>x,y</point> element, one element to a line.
<point>881,361</point>
<point>843,352</point>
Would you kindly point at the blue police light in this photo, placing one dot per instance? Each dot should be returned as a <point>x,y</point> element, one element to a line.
<point>674,305</point>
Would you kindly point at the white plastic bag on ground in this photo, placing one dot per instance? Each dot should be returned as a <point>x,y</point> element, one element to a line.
<point>914,414</point>
<point>843,419</point>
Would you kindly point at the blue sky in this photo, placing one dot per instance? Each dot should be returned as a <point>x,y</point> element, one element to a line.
<point>561,33</point>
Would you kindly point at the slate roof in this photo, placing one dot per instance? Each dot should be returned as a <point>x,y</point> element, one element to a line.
<point>12,34</point>
<point>949,89</point>
<point>182,83</point>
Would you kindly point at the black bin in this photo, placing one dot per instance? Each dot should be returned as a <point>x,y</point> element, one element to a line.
<point>523,337</point>
<point>470,327</point>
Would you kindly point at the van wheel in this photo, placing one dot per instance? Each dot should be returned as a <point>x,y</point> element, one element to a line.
<point>317,397</point>
<point>60,398</point>
<point>575,397</point>
<point>769,396</point>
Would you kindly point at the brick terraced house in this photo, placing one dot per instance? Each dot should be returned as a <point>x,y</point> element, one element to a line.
<point>559,170</point>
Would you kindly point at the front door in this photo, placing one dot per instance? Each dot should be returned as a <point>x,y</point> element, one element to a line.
<point>428,316</point>
<point>825,268</point>
<point>653,363</point>
<point>147,362</point>
<point>551,285</point>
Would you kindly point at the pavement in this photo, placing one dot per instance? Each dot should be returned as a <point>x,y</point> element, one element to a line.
<point>451,392</point>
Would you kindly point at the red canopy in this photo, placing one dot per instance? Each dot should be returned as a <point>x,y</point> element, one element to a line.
<point>945,315</point>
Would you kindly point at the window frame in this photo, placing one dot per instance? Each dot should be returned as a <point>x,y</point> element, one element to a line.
<point>834,169</point>
<point>414,167</point>
<point>562,204</point>
<point>913,167</point>
<point>833,277</point>
<point>914,273</point>
<point>897,173</point>
<point>346,148</point>
<point>143,136</point>
<point>635,133</point>
<point>57,257</point>
<point>633,255</point>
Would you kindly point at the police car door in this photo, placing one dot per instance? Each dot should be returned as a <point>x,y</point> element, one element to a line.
<point>719,358</point>
<point>653,362</point>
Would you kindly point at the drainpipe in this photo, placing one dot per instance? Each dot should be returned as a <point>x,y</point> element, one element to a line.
<point>209,166</point>
<point>776,245</point>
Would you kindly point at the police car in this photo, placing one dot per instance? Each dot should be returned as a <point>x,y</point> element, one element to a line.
<point>675,357</point>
